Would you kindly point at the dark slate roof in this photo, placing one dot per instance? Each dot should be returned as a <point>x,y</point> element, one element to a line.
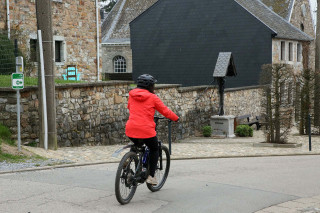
<point>117,41</point>
<point>275,22</point>
<point>225,65</point>
<point>116,24</point>
<point>281,7</point>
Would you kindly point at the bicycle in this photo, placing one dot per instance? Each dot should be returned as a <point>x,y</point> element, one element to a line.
<point>133,169</point>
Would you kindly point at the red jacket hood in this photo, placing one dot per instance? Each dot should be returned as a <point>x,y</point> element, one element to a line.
<point>140,94</point>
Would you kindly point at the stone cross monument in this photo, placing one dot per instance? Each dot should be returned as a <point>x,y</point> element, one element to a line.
<point>223,125</point>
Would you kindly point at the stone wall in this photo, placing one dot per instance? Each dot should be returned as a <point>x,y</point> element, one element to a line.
<point>96,113</point>
<point>243,101</point>
<point>301,15</point>
<point>74,24</point>
<point>276,54</point>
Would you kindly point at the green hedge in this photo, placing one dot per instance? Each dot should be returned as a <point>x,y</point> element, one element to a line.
<point>206,131</point>
<point>244,131</point>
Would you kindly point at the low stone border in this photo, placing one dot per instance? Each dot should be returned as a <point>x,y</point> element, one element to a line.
<point>287,145</point>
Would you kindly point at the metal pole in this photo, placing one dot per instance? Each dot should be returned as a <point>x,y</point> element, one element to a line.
<point>98,49</point>
<point>18,120</point>
<point>8,18</point>
<point>169,135</point>
<point>44,97</point>
<point>309,120</point>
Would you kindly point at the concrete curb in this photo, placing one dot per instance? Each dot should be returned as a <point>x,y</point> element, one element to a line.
<point>178,158</point>
<point>287,145</point>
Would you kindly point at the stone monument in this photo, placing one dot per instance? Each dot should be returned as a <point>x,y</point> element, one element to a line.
<point>221,124</point>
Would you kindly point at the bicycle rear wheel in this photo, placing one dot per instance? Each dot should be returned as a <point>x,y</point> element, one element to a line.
<point>125,187</point>
<point>161,174</point>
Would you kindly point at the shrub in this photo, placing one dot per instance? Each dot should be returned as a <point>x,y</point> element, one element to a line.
<point>244,131</point>
<point>206,131</point>
<point>4,132</point>
<point>7,58</point>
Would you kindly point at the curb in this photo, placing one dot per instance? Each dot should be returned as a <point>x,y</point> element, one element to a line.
<point>178,158</point>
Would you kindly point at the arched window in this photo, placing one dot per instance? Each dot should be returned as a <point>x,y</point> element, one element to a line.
<point>119,64</point>
<point>302,27</point>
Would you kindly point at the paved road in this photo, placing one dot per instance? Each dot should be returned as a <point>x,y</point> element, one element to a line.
<point>212,185</point>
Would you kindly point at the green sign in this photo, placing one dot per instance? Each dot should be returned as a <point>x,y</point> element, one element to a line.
<point>17,80</point>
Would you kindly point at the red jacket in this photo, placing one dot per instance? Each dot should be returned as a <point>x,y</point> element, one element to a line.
<point>142,105</point>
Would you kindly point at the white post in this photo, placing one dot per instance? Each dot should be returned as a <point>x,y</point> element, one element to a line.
<point>18,120</point>
<point>8,18</point>
<point>98,49</point>
<point>19,69</point>
<point>43,88</point>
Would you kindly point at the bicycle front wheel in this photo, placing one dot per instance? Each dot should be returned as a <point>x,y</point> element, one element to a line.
<point>162,171</point>
<point>125,186</point>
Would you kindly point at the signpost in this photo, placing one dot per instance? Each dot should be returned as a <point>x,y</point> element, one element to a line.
<point>17,80</point>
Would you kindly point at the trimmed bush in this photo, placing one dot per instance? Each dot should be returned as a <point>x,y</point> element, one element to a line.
<point>4,132</point>
<point>206,131</point>
<point>244,131</point>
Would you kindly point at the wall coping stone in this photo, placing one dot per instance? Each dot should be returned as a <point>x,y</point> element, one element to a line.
<point>242,88</point>
<point>195,88</point>
<point>164,86</point>
<point>75,85</point>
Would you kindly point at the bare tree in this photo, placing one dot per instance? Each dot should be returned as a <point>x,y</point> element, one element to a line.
<point>277,102</point>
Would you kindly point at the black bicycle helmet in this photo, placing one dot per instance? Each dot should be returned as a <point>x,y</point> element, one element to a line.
<point>146,81</point>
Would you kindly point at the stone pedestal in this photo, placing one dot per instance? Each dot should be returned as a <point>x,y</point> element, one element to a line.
<point>222,125</point>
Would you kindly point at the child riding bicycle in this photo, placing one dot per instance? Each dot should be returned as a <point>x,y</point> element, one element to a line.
<point>140,127</point>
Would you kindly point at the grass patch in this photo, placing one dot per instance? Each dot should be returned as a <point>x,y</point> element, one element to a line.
<point>20,158</point>
<point>13,158</point>
<point>5,81</point>
<point>4,132</point>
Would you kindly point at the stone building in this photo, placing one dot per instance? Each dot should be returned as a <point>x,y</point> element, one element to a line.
<point>116,43</point>
<point>74,34</point>
<point>299,14</point>
<point>116,49</point>
<point>181,46</point>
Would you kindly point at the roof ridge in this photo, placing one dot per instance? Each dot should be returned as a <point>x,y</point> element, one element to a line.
<point>255,16</point>
<point>286,21</point>
<point>115,20</point>
<point>291,25</point>
<point>291,9</point>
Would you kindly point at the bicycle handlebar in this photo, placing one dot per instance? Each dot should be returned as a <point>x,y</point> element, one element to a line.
<point>156,118</point>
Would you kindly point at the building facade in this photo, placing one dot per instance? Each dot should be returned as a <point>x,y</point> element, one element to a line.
<point>74,34</point>
<point>116,49</point>
<point>182,45</point>
<point>117,40</point>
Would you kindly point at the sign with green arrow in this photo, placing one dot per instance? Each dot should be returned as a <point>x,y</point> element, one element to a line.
<point>17,80</point>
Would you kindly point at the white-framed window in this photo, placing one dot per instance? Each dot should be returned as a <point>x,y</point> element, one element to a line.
<point>283,51</point>
<point>119,64</point>
<point>299,52</point>
<point>290,51</point>
<point>59,50</point>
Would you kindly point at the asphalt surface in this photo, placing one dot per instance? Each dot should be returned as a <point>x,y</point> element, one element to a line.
<point>211,185</point>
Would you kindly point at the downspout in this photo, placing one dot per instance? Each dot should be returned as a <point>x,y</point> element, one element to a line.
<point>98,49</point>
<point>8,19</point>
